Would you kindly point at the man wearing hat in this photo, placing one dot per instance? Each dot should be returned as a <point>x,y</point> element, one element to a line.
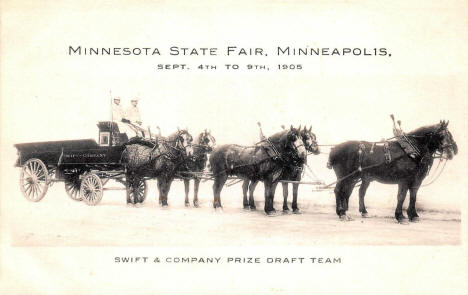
<point>118,116</point>
<point>117,111</point>
<point>132,113</point>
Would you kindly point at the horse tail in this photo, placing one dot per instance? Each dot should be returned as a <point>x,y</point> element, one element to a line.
<point>332,158</point>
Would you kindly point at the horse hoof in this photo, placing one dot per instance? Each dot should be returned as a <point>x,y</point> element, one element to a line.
<point>130,204</point>
<point>286,212</point>
<point>365,215</point>
<point>196,205</point>
<point>246,207</point>
<point>345,218</point>
<point>187,204</point>
<point>253,208</point>
<point>271,213</point>
<point>414,219</point>
<point>297,211</point>
<point>403,222</point>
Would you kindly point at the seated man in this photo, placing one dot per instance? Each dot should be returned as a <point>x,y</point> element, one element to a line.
<point>133,116</point>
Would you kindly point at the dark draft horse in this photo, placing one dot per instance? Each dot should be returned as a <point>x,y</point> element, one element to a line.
<point>265,162</point>
<point>202,146</point>
<point>371,164</point>
<point>158,159</point>
<point>292,172</point>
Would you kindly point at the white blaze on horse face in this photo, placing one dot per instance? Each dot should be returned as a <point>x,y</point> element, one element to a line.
<point>211,142</point>
<point>187,144</point>
<point>301,151</point>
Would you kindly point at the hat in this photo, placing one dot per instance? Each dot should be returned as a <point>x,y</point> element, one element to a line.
<point>117,97</point>
<point>135,99</point>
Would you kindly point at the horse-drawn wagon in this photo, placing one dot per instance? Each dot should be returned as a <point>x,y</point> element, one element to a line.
<point>85,166</point>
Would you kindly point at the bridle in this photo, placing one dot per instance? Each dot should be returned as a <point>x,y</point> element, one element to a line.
<point>178,146</point>
<point>205,139</point>
<point>441,131</point>
<point>294,156</point>
<point>312,145</point>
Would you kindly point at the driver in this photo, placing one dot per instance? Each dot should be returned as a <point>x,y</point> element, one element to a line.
<point>133,115</point>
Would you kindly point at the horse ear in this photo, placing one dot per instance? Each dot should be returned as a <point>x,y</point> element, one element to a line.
<point>282,126</point>
<point>446,123</point>
<point>291,128</point>
<point>299,129</point>
<point>310,129</point>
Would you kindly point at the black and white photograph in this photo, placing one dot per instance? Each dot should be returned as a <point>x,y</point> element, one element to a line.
<point>233,147</point>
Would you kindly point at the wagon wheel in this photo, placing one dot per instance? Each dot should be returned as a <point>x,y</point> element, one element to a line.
<point>34,180</point>
<point>72,187</point>
<point>137,190</point>
<point>91,189</point>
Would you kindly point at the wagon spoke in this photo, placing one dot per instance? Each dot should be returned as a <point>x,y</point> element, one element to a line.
<point>26,185</point>
<point>27,171</point>
<point>40,175</point>
<point>34,166</point>
<point>33,191</point>
<point>28,188</point>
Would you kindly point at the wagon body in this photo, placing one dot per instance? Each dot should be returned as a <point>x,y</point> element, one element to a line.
<point>84,165</point>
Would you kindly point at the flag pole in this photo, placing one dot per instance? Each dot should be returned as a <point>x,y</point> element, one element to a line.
<point>112,117</point>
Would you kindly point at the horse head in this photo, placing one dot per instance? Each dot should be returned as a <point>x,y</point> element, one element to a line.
<point>294,143</point>
<point>183,141</point>
<point>446,144</point>
<point>206,140</point>
<point>310,140</point>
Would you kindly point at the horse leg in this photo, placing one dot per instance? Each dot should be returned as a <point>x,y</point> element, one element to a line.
<point>269,209</point>
<point>338,196</point>
<point>342,192</point>
<point>245,188</point>
<point>272,195</point>
<point>285,196</point>
<point>160,190</point>
<point>252,186</point>
<point>217,187</point>
<point>187,191</point>
<point>164,185</point>
<point>345,200</point>
<point>294,202</point>
<point>402,190</point>
<point>196,184</point>
<point>411,211</point>
<point>362,193</point>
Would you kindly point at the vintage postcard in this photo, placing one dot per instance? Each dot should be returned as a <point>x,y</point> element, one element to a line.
<point>232,147</point>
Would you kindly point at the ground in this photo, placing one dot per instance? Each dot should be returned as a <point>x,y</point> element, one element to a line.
<point>59,221</point>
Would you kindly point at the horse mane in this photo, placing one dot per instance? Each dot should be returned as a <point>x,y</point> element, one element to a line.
<point>279,136</point>
<point>422,131</point>
<point>173,136</point>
